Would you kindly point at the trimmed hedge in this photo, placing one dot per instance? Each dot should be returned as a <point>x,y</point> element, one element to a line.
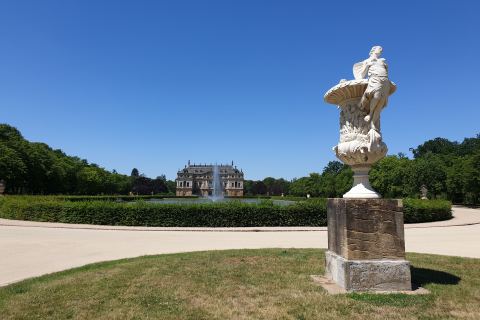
<point>227,214</point>
<point>117,197</point>
<point>416,210</point>
<point>312,212</point>
<point>249,197</point>
<point>292,198</point>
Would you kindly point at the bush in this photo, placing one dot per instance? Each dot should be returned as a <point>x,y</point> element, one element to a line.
<point>416,210</point>
<point>312,212</point>
<point>250,197</point>
<point>140,213</point>
<point>118,197</point>
<point>294,198</point>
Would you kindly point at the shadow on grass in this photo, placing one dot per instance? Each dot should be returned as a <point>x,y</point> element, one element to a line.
<point>421,277</point>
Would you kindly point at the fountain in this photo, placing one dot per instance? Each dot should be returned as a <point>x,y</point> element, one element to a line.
<point>217,190</point>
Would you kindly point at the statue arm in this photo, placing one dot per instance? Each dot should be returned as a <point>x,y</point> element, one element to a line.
<point>360,69</point>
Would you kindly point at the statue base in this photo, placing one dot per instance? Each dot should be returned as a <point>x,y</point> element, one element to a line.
<point>366,246</point>
<point>361,185</point>
<point>368,275</point>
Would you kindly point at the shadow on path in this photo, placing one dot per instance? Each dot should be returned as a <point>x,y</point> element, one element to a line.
<point>421,277</point>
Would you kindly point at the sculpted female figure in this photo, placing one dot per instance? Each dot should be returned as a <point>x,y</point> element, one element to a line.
<point>360,102</point>
<point>376,95</point>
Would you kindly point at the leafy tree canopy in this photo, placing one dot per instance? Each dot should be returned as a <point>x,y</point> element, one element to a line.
<point>35,168</point>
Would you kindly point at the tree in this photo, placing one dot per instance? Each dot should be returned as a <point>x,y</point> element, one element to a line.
<point>343,181</point>
<point>333,167</point>
<point>12,169</point>
<point>269,182</point>
<point>389,177</point>
<point>335,180</point>
<point>463,179</point>
<point>276,187</point>
<point>159,185</point>
<point>298,187</point>
<point>473,181</point>
<point>469,146</point>
<point>171,186</point>
<point>314,184</point>
<point>36,168</point>
<point>90,181</point>
<point>135,173</point>
<point>429,171</point>
<point>259,188</point>
<point>280,186</point>
<point>457,180</point>
<point>448,169</point>
<point>248,187</point>
<point>436,146</point>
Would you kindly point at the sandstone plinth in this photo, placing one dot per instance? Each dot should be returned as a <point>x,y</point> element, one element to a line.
<point>366,246</point>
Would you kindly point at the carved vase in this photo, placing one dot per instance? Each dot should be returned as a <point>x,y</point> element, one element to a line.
<point>359,146</point>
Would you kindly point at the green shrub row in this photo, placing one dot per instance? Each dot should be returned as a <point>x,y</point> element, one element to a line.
<point>250,197</point>
<point>416,210</point>
<point>228,214</point>
<point>292,198</point>
<point>117,197</point>
<point>225,214</point>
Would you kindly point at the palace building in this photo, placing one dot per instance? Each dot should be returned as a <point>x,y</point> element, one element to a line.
<point>198,179</point>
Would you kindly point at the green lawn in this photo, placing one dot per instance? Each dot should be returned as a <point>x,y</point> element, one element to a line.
<point>237,284</point>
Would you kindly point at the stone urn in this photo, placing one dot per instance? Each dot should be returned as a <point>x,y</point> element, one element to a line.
<point>359,146</point>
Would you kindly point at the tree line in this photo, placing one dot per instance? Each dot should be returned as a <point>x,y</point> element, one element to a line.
<point>35,168</point>
<point>448,170</point>
<point>335,180</point>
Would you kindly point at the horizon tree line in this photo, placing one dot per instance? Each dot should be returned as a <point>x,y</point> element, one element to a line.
<point>35,168</point>
<point>448,169</point>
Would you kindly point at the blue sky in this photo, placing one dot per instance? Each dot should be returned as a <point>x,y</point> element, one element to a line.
<point>153,84</point>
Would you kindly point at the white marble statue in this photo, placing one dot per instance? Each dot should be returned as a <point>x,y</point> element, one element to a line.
<point>375,98</point>
<point>361,102</point>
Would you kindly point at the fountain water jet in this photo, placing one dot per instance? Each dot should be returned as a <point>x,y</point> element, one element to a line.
<point>217,190</point>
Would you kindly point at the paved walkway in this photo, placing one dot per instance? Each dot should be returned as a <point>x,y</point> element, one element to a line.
<point>29,249</point>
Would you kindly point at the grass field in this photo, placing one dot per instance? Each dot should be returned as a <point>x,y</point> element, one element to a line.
<point>237,284</point>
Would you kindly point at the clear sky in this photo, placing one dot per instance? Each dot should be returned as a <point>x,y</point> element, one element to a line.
<point>153,84</point>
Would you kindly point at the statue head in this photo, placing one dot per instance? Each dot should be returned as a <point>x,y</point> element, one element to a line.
<point>376,51</point>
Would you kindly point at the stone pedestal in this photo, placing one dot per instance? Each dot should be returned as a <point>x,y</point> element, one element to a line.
<point>366,246</point>
<point>361,184</point>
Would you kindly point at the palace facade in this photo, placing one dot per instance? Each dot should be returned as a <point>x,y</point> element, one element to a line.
<point>197,179</point>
